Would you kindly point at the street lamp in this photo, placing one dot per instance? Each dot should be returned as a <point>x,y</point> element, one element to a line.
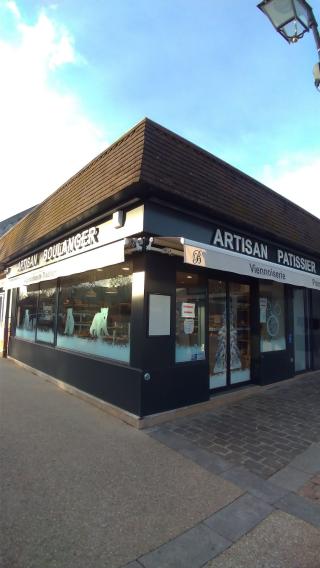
<point>292,19</point>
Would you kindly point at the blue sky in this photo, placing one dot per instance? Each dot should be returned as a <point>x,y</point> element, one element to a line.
<point>77,75</point>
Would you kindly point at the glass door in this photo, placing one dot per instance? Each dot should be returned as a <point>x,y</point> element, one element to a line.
<point>229,333</point>
<point>240,340</point>
<point>217,333</point>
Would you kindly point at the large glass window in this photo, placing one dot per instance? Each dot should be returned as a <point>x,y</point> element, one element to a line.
<point>272,317</point>
<point>190,317</point>
<point>46,312</point>
<point>94,312</point>
<point>27,312</point>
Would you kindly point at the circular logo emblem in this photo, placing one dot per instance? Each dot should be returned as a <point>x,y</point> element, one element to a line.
<point>273,326</point>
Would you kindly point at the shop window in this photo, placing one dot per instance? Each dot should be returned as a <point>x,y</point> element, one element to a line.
<point>27,312</point>
<point>46,312</point>
<point>190,317</point>
<point>272,317</point>
<point>94,312</point>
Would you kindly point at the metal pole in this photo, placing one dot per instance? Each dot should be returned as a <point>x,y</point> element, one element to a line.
<point>314,26</point>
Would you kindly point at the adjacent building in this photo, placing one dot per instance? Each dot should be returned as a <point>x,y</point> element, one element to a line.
<point>159,275</point>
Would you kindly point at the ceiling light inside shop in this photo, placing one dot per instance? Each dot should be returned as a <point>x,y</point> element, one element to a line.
<point>91,294</point>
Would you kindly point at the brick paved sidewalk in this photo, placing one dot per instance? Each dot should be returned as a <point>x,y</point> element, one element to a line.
<point>263,432</point>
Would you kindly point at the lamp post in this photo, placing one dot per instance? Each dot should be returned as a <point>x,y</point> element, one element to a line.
<point>292,19</point>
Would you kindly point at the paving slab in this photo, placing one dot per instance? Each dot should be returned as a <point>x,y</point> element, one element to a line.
<point>280,541</point>
<point>170,439</point>
<point>80,488</point>
<point>207,460</point>
<point>290,478</point>
<point>239,517</point>
<point>255,485</point>
<point>309,460</point>
<point>211,462</point>
<point>190,550</point>
<point>301,508</point>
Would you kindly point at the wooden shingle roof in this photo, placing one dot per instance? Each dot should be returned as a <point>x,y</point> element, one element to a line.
<point>114,169</point>
<point>157,160</point>
<point>185,170</point>
<point>8,223</point>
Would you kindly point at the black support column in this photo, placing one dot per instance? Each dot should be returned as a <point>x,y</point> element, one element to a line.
<point>164,384</point>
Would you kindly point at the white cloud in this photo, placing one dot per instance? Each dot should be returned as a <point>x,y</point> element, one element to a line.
<point>296,177</point>
<point>45,135</point>
<point>12,6</point>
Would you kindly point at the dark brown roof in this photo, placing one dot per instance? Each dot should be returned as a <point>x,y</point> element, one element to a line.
<point>177,169</point>
<point>181,168</point>
<point>114,169</point>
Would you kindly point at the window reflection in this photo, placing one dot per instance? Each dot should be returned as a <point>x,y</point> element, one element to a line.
<point>94,312</point>
<point>27,312</point>
<point>272,322</point>
<point>46,312</point>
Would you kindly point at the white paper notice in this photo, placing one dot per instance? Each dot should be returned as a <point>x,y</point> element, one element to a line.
<point>188,326</point>
<point>188,310</point>
<point>263,309</point>
<point>159,314</point>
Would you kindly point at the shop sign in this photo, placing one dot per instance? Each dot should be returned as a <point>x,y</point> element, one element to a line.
<point>88,239</point>
<point>77,243</point>
<point>232,241</point>
<point>260,250</point>
<point>107,255</point>
<point>214,257</point>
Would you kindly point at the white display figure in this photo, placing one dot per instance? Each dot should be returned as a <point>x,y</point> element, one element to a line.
<point>99,327</point>
<point>69,327</point>
<point>27,321</point>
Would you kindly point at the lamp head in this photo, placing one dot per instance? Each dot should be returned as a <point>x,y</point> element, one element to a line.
<point>289,17</point>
